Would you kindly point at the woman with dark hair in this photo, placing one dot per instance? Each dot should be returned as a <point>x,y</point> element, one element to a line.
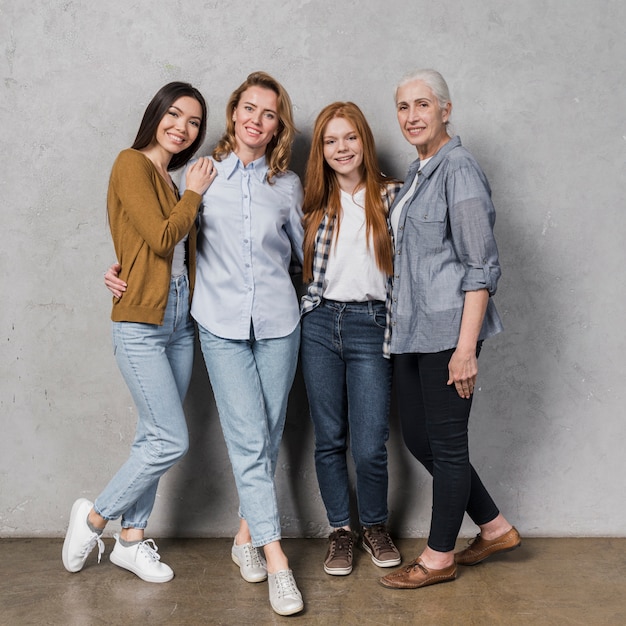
<point>247,313</point>
<point>153,232</point>
<point>446,270</point>
<point>348,264</point>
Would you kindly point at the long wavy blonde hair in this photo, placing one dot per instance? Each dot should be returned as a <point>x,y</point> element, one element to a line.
<point>278,150</point>
<point>322,192</point>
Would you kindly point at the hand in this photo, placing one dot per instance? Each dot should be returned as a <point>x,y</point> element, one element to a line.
<point>462,372</point>
<point>200,175</point>
<point>111,281</point>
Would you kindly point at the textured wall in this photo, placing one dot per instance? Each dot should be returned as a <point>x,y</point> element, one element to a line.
<point>539,94</point>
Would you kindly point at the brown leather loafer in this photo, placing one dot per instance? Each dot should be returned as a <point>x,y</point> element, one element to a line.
<point>416,575</point>
<point>480,549</point>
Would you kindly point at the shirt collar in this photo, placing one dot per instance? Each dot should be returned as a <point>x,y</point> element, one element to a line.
<point>258,168</point>
<point>439,156</point>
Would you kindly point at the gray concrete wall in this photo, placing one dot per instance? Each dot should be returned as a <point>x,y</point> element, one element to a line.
<point>539,97</point>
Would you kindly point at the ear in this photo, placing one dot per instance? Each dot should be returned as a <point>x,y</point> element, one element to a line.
<point>446,111</point>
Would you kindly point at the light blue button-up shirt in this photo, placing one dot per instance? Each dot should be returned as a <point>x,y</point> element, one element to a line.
<point>444,246</point>
<point>247,232</point>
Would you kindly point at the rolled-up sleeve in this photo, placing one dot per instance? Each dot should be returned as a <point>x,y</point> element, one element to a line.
<point>472,217</point>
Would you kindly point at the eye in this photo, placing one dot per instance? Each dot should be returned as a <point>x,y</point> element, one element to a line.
<point>353,138</point>
<point>329,142</point>
<point>173,113</point>
<point>247,107</point>
<point>195,123</point>
<point>270,116</point>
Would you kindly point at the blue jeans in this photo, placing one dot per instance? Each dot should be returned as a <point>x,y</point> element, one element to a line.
<point>251,380</point>
<point>348,383</point>
<point>434,422</point>
<point>156,363</point>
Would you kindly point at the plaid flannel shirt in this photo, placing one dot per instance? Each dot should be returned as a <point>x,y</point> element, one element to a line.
<point>323,243</point>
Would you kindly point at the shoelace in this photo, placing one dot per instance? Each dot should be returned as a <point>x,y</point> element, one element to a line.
<point>253,557</point>
<point>149,551</point>
<point>95,539</point>
<point>379,536</point>
<point>285,583</point>
<point>341,543</point>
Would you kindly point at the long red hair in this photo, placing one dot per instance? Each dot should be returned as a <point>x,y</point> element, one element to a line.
<point>322,191</point>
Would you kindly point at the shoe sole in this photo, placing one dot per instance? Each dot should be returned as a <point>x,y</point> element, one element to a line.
<point>490,555</point>
<point>66,543</point>
<point>248,579</point>
<point>381,563</point>
<point>127,566</point>
<point>291,612</point>
<point>427,583</point>
<point>338,571</point>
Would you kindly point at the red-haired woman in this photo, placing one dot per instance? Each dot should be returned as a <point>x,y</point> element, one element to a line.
<point>348,262</point>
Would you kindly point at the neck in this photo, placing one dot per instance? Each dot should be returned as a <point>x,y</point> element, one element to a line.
<point>161,158</point>
<point>247,155</point>
<point>425,152</point>
<point>350,183</point>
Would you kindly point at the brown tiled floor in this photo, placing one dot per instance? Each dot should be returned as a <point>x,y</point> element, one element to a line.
<point>546,581</point>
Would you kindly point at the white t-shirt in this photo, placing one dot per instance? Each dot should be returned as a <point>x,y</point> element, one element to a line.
<point>352,274</point>
<point>397,210</point>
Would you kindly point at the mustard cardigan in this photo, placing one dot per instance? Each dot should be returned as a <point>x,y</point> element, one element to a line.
<point>147,220</point>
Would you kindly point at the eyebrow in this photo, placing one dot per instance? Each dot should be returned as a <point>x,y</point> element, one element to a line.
<point>196,117</point>
<point>256,106</point>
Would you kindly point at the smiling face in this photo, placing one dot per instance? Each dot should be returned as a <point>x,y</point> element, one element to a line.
<point>343,151</point>
<point>256,122</point>
<point>180,126</point>
<point>421,118</point>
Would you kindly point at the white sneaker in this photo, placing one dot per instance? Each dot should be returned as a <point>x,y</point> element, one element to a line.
<point>251,562</point>
<point>285,597</point>
<point>80,540</point>
<point>142,559</point>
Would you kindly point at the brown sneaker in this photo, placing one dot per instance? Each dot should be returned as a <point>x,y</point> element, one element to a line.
<point>378,543</point>
<point>338,561</point>
<point>479,549</point>
<point>416,575</point>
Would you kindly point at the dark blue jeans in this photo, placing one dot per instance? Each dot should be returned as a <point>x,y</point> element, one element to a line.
<point>348,384</point>
<point>434,423</point>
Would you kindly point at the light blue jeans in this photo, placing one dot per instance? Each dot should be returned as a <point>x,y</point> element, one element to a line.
<point>251,380</point>
<point>156,363</point>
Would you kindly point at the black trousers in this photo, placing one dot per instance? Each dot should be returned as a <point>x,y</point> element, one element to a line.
<point>434,421</point>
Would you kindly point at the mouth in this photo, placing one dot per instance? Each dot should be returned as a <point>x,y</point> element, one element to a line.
<point>252,131</point>
<point>345,159</point>
<point>415,131</point>
<point>176,139</point>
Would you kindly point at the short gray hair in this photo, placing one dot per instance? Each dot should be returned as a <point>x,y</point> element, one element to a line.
<point>433,79</point>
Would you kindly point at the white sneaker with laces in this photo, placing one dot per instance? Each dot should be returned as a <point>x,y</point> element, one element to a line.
<point>285,597</point>
<point>251,562</point>
<point>142,559</point>
<point>80,540</point>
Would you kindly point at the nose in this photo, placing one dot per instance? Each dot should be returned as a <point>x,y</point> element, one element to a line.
<point>413,114</point>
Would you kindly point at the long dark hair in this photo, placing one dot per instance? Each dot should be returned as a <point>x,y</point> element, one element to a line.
<point>156,110</point>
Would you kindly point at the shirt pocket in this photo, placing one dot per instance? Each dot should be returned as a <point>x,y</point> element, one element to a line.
<point>427,226</point>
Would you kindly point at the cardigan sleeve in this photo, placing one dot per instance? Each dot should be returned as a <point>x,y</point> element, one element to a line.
<point>138,192</point>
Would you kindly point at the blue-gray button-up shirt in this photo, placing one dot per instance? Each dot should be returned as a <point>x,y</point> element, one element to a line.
<point>444,246</point>
<point>248,230</point>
